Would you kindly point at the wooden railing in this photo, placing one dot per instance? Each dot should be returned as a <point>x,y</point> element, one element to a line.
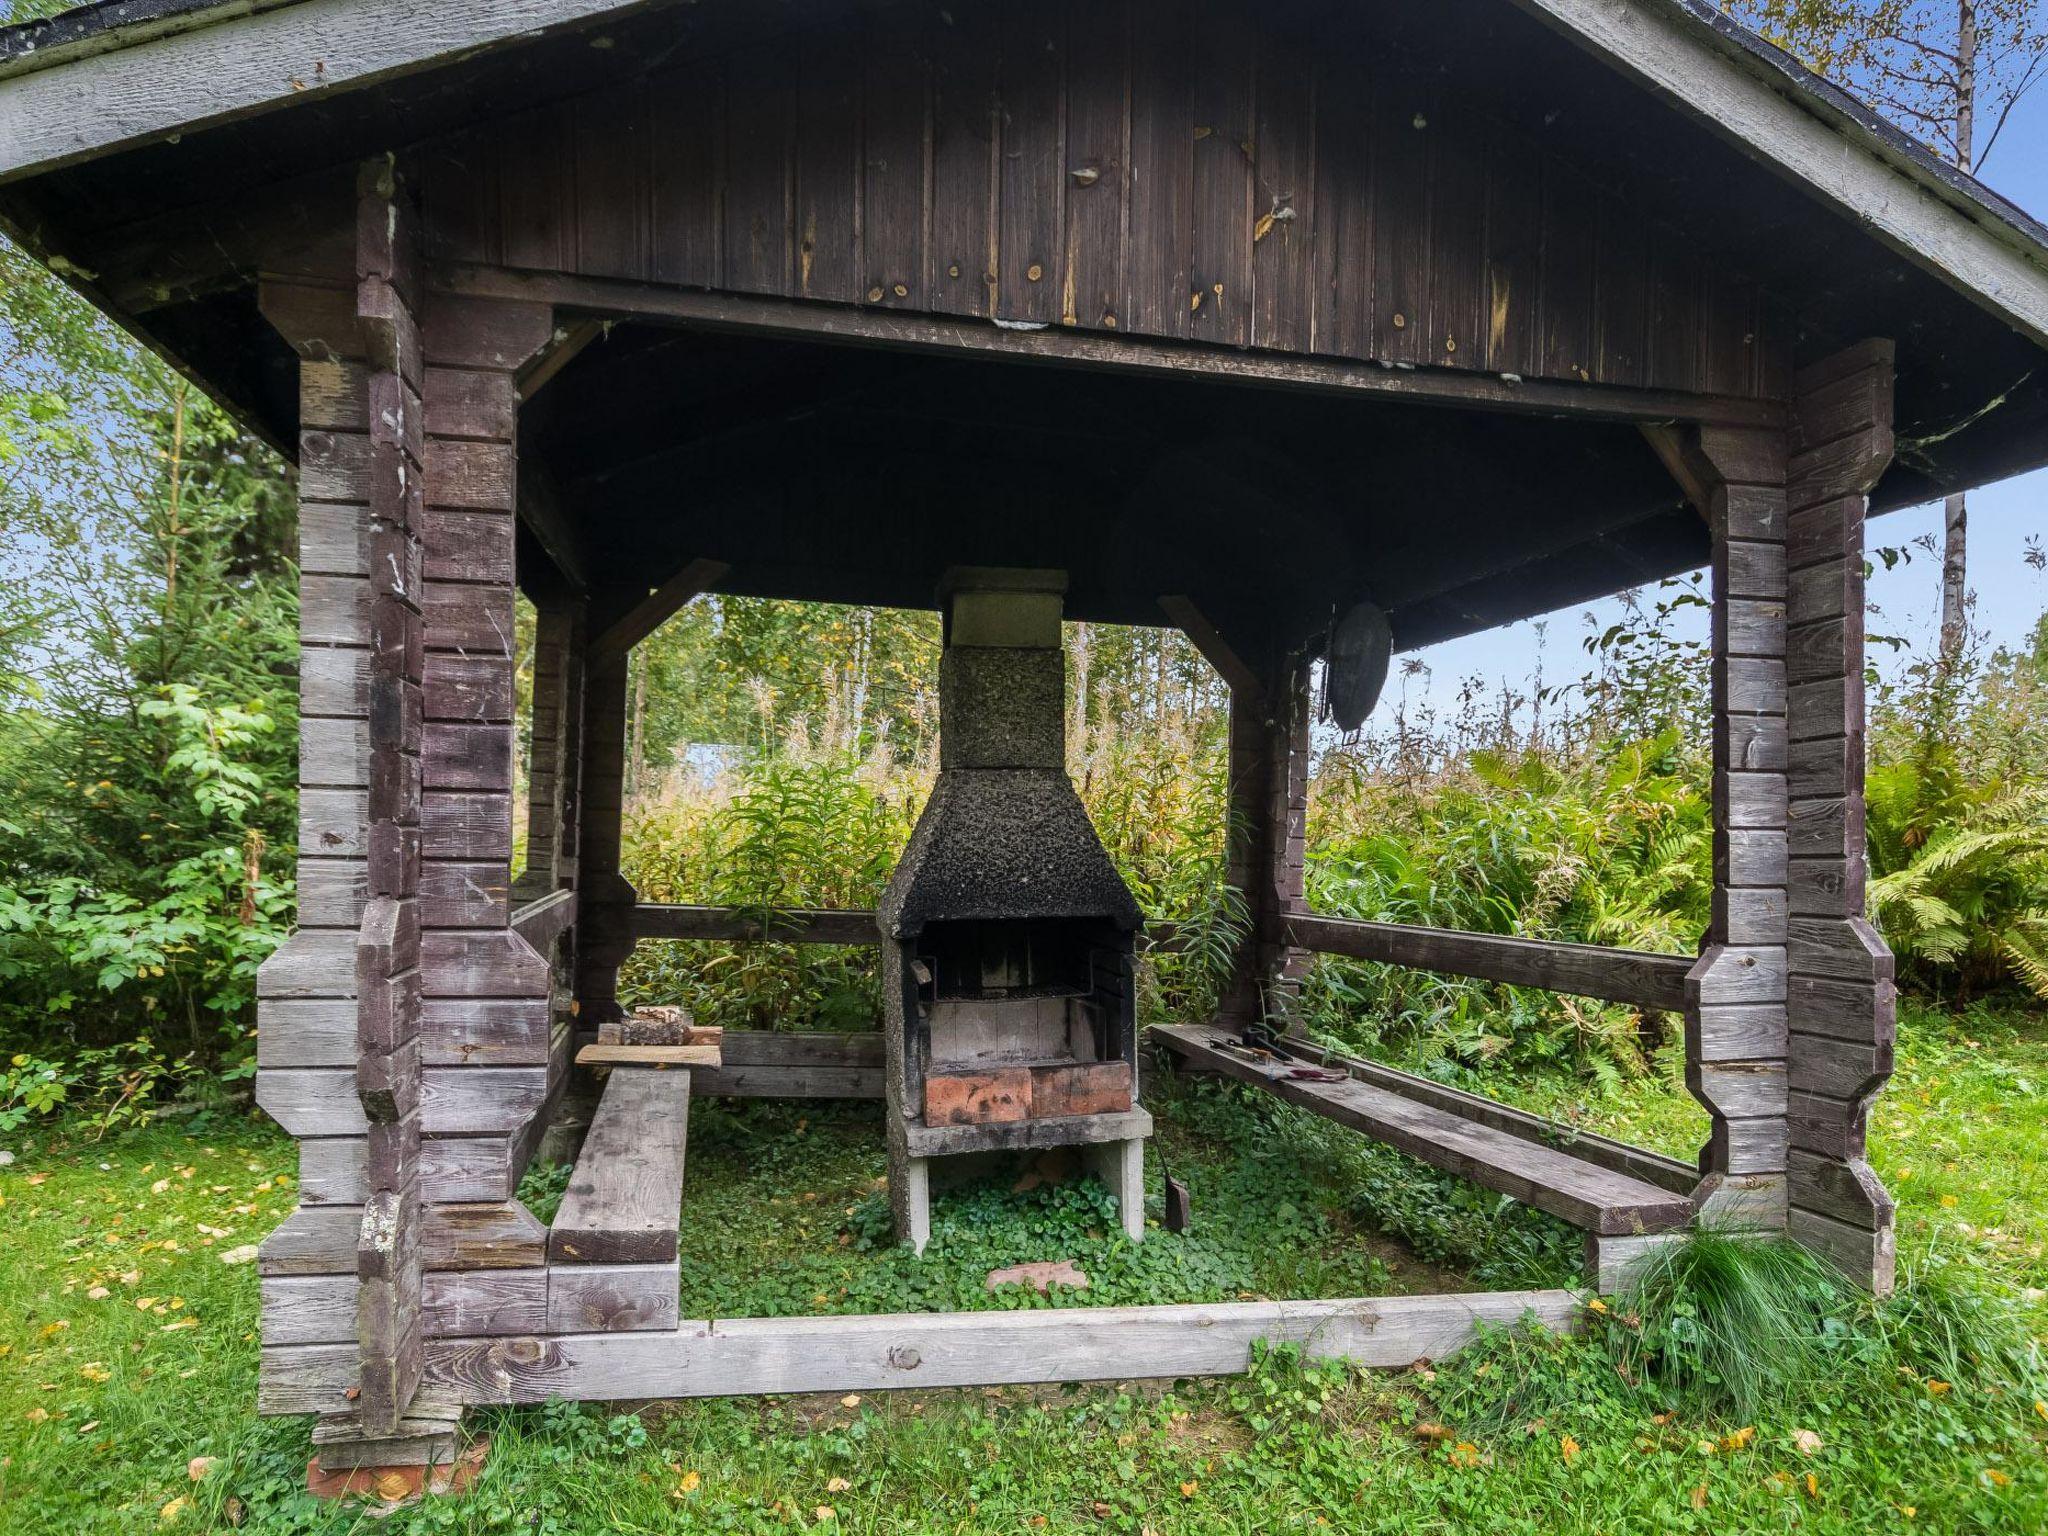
<point>1583,970</point>
<point>540,922</point>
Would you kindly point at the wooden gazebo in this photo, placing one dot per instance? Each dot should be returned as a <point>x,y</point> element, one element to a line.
<point>1239,316</point>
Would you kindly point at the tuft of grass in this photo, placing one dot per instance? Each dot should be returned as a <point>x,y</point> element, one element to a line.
<point>1949,1322</point>
<point>1731,1323</point>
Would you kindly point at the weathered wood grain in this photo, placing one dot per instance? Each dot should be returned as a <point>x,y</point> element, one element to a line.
<point>926,1351</point>
<point>625,1195</point>
<point>1623,976</point>
<point>321,1240</point>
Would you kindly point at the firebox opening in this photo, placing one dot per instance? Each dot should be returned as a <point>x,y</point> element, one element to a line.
<point>1027,993</point>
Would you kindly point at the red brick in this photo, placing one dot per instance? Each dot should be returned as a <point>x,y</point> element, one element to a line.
<point>977,1098</point>
<point>1083,1088</point>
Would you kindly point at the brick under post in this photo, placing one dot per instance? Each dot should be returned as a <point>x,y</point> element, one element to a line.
<point>1735,1014</point>
<point>1841,997</point>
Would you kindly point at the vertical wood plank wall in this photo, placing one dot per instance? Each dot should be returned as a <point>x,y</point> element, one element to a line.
<point>1841,996</point>
<point>1735,1018</point>
<point>1111,166</point>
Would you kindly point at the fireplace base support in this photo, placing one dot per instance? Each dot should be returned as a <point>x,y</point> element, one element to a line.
<point>1120,1165</point>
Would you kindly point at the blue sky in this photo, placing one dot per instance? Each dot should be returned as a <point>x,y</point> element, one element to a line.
<point>2010,595</point>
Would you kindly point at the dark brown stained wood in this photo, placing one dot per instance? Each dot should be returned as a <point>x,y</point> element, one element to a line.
<point>613,182</point>
<point>1223,51</point>
<point>476,620</point>
<point>1403,140</point>
<point>1095,166</point>
<point>1345,144</point>
<point>1457,234</point>
<point>688,118</point>
<point>653,920</point>
<point>895,155</point>
<point>468,404</point>
<point>455,825</point>
<point>1514,249</point>
<point>1730,330</point>
<point>1030,186</point>
<point>1158,265</point>
<point>1083,349</point>
<point>467,688</point>
<point>1571,229</point>
<point>475,475</point>
<point>459,181</point>
<point>1621,319</point>
<point>544,921</point>
<point>1584,970</point>
<point>534,188</point>
<point>647,614</point>
<point>1232,668</point>
<point>962,271</point>
<point>827,171</point>
<point>1585,1194</point>
<point>761,109</point>
<point>625,1196</point>
<point>1674,349</point>
<point>1284,195</point>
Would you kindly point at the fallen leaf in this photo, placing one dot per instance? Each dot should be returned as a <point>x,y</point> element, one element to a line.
<point>1740,1439</point>
<point>1568,1448</point>
<point>838,1485</point>
<point>198,1467</point>
<point>392,1486</point>
<point>1432,1432</point>
<point>1595,1304</point>
<point>2041,1408</point>
<point>94,1371</point>
<point>1187,1489</point>
<point>246,1254</point>
<point>1939,1389</point>
<point>172,1510</point>
<point>1996,1478</point>
<point>1698,1497</point>
<point>1812,1486</point>
<point>690,1483</point>
<point>851,1400</point>
<point>826,1512</point>
<point>1806,1442</point>
<point>98,1293</point>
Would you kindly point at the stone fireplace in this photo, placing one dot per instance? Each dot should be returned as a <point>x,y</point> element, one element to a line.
<point>1007,935</point>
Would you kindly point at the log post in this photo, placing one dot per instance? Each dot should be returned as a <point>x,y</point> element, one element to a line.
<point>1840,999</point>
<point>1266,838</point>
<point>552,764</point>
<point>1735,1013</point>
<point>605,901</point>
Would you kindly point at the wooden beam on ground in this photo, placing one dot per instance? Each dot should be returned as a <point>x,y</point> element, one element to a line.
<point>922,1351</point>
<point>652,611</point>
<point>1591,1197</point>
<point>625,1197</point>
<point>1216,650</point>
<point>56,111</point>
<point>1085,349</point>
<point>1821,141</point>
<point>1583,970</point>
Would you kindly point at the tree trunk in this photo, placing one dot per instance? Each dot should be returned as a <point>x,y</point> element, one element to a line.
<point>1955,622</point>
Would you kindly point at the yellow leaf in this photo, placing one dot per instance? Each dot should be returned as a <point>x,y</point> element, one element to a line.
<point>159,1186</point>
<point>691,1482</point>
<point>1698,1497</point>
<point>826,1512</point>
<point>2041,1408</point>
<point>1568,1448</point>
<point>838,1485</point>
<point>1187,1489</point>
<point>172,1510</point>
<point>1740,1439</point>
<point>1939,1388</point>
<point>851,1400</point>
<point>1996,1478</point>
<point>1908,1511</point>
<point>94,1372</point>
<point>1812,1486</point>
<point>1595,1304</point>
<point>1948,1202</point>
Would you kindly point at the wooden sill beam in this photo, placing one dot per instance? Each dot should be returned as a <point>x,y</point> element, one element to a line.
<point>922,1350</point>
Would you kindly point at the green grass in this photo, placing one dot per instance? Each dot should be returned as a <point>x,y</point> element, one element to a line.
<point>1906,1409</point>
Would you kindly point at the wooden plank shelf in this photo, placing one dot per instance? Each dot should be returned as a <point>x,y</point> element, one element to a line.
<point>625,1196</point>
<point>1599,1200</point>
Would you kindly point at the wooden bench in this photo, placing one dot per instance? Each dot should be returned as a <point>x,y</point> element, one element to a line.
<point>625,1195</point>
<point>1610,1205</point>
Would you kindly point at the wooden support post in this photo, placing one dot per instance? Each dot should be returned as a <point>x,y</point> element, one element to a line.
<point>1735,994</point>
<point>488,1027</point>
<point>1267,838</point>
<point>605,900</point>
<point>1840,995</point>
<point>553,764</point>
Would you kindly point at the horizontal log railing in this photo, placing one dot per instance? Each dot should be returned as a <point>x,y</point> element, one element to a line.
<point>540,922</point>
<point>1583,970</point>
